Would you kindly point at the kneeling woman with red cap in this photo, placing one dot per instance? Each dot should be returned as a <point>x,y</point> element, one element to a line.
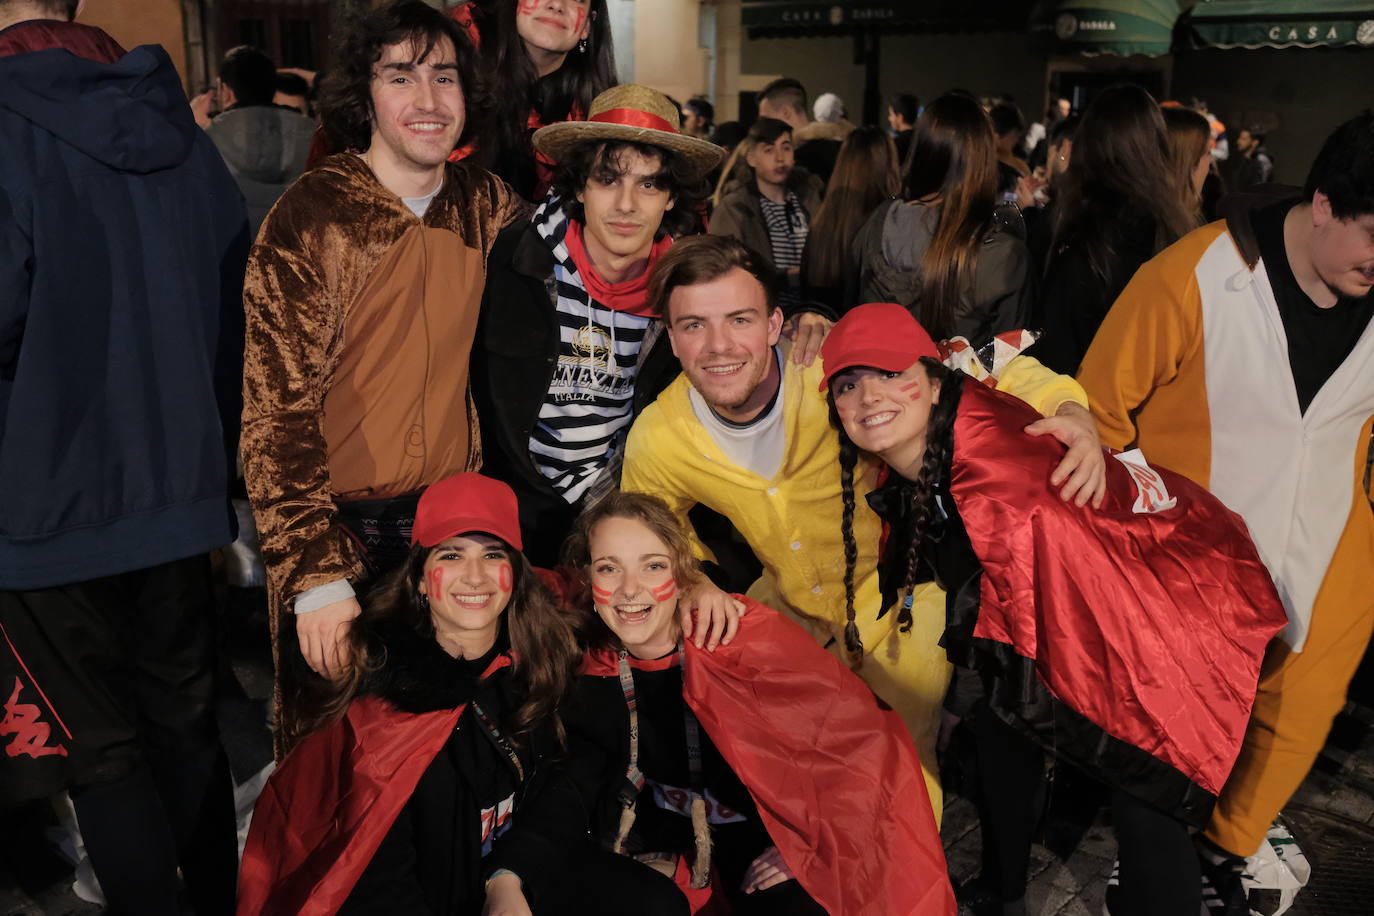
<point>1126,639</point>
<point>764,776</point>
<point>427,786</point>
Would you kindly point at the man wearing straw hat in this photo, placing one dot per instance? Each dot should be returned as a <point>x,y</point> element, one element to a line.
<point>568,348</point>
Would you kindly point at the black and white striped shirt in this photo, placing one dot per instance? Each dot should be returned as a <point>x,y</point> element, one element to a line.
<point>788,227</point>
<point>590,399</point>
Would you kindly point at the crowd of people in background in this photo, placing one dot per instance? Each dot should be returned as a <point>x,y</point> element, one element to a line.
<point>650,505</point>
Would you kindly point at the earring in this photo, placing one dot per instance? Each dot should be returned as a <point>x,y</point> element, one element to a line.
<point>424,600</point>
<point>582,46</point>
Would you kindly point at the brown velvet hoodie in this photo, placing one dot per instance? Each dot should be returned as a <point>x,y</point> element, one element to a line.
<point>348,299</point>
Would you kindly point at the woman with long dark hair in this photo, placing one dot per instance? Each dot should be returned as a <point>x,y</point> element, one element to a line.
<point>546,60</point>
<point>866,174</point>
<point>1119,204</point>
<point>426,785</point>
<point>944,250</point>
<point>1190,148</point>
<point>764,774</point>
<point>1088,629</point>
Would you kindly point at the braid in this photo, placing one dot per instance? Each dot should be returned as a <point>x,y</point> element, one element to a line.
<point>849,457</point>
<point>939,443</point>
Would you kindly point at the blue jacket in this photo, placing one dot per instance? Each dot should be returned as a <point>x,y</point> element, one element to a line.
<point>122,245</point>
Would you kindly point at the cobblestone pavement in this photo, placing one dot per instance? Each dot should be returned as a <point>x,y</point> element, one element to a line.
<point>1332,819</point>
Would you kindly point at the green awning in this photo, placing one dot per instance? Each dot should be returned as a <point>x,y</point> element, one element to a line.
<point>1282,24</point>
<point>795,18</point>
<point>1105,26</point>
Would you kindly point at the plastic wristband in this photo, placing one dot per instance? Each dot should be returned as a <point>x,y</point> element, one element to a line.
<point>502,871</point>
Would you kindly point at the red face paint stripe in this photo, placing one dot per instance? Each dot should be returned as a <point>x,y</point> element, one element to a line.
<point>19,658</point>
<point>603,594</point>
<point>506,578</point>
<point>664,591</point>
<point>436,583</point>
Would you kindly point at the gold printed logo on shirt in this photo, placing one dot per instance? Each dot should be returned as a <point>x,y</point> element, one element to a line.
<point>592,347</point>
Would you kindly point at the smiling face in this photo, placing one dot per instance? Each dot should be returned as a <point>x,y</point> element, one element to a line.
<point>634,587</point>
<point>552,26</point>
<point>417,107</point>
<point>1342,250</point>
<point>723,334</point>
<point>623,203</point>
<point>468,580</point>
<point>886,413</point>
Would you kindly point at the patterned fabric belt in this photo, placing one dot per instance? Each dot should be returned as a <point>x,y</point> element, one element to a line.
<point>382,527</point>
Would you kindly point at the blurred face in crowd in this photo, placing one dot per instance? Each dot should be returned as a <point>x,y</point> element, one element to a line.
<point>886,413</point>
<point>772,162</point>
<point>1342,250</point>
<point>1063,107</point>
<point>552,26</point>
<point>723,334</point>
<point>623,205</point>
<point>418,109</point>
<point>1245,141</point>
<point>634,588</point>
<point>467,581</point>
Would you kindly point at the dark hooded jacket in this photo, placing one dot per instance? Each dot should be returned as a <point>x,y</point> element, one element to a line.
<point>122,245</point>
<point>265,147</point>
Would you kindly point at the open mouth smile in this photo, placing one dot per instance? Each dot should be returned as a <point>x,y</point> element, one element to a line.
<point>724,370</point>
<point>878,419</point>
<point>633,613</point>
<point>473,601</point>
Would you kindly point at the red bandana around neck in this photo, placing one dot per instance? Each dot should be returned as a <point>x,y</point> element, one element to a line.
<point>631,296</point>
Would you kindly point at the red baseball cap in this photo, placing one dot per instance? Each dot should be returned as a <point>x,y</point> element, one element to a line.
<point>464,503</point>
<point>883,335</point>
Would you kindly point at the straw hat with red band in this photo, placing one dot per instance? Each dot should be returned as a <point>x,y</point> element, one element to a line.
<point>881,335</point>
<point>463,504</point>
<point>633,113</point>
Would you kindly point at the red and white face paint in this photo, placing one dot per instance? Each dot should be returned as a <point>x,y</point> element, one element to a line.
<point>882,411</point>
<point>633,586</point>
<point>468,581</point>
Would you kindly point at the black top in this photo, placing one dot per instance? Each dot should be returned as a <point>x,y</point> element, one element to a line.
<point>1319,339</point>
<point>598,725</point>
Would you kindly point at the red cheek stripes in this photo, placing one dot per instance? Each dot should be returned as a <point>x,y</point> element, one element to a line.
<point>527,7</point>
<point>506,578</point>
<point>601,595</point>
<point>910,390</point>
<point>664,591</point>
<point>436,583</point>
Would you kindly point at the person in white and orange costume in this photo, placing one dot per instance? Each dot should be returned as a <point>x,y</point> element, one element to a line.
<point>1243,357</point>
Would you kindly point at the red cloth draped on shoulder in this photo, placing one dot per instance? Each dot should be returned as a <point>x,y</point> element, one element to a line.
<point>1149,621</point>
<point>326,809</point>
<point>46,34</point>
<point>833,772</point>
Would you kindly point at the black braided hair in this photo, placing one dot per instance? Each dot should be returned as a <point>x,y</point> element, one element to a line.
<point>939,443</point>
<point>849,457</point>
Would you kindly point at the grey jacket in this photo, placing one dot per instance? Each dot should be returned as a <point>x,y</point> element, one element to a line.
<point>265,148</point>
<point>884,266</point>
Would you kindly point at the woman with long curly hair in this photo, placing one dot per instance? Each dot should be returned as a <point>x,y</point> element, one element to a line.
<point>427,784</point>
<point>1126,639</point>
<point>1120,203</point>
<point>866,174</point>
<point>763,774</point>
<point>946,250</point>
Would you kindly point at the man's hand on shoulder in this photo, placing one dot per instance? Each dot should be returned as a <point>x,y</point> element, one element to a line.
<point>323,635</point>
<point>806,330</point>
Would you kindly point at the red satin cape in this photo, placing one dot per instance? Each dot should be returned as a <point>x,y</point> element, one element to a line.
<point>834,773</point>
<point>1151,626</point>
<point>326,809</point>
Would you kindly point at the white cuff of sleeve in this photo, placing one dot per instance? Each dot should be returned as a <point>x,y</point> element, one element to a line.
<point>312,599</point>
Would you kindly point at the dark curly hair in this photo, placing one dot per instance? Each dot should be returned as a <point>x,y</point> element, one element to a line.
<point>676,175</point>
<point>939,443</point>
<point>345,101</point>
